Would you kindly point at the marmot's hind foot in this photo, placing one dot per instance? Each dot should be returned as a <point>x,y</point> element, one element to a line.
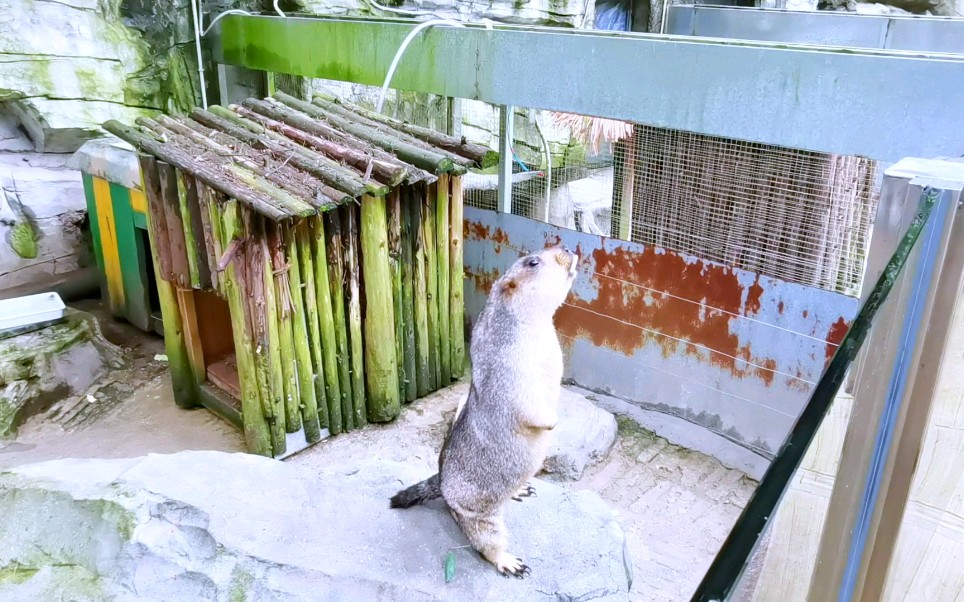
<point>507,565</point>
<point>526,491</point>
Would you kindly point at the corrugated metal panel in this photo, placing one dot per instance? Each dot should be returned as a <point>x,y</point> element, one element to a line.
<point>728,349</point>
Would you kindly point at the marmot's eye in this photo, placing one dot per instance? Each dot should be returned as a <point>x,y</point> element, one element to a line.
<point>533,262</point>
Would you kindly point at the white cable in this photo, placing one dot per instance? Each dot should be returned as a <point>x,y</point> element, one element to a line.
<point>401,50</point>
<point>233,11</point>
<point>545,150</point>
<point>196,14</point>
<point>277,10</point>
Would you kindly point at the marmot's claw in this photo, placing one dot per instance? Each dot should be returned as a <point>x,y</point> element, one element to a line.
<point>513,566</point>
<point>527,491</point>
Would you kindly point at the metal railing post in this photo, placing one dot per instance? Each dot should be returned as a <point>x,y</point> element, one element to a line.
<point>505,158</point>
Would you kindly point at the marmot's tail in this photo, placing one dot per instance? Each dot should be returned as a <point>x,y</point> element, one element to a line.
<point>429,489</point>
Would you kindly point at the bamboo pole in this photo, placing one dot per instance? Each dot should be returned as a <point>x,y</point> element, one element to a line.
<point>423,365</point>
<point>482,155</point>
<point>350,237</point>
<point>381,359</point>
<point>442,261</point>
<point>287,119</point>
<point>257,434</point>
<point>398,134</point>
<point>209,174</point>
<point>186,195</point>
<point>326,323</point>
<point>431,282</point>
<point>457,284</point>
<point>249,132</point>
<point>183,380</point>
<point>283,316</point>
<point>336,279</point>
<point>273,341</point>
<point>311,305</point>
<point>308,400</point>
<point>395,263</point>
<point>409,354</point>
<point>420,157</point>
<point>309,132</point>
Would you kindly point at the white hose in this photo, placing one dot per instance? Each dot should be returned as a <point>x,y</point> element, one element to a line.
<point>401,50</point>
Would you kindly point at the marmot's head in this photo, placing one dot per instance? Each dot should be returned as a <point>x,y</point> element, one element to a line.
<point>539,281</point>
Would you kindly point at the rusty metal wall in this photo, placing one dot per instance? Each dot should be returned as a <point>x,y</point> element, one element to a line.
<point>728,349</point>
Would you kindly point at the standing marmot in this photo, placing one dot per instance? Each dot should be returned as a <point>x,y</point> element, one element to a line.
<point>500,438</point>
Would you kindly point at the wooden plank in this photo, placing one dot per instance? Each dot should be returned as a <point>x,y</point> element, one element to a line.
<point>157,224</point>
<point>431,283</point>
<point>409,355</point>
<point>180,274</point>
<point>423,366</point>
<point>211,257</point>
<point>192,334</point>
<point>442,268</point>
<point>336,281</point>
<point>457,284</point>
<point>183,380</point>
<point>225,375</point>
<point>353,301</point>
<point>193,237</point>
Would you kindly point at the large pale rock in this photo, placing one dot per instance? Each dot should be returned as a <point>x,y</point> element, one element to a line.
<point>44,199</point>
<point>40,368</point>
<point>216,526</point>
<point>584,436</point>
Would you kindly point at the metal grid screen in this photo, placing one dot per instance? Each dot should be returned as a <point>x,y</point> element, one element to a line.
<point>800,216</point>
<point>796,215</point>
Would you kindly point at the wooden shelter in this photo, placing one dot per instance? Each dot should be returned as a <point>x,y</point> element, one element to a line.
<point>308,258</point>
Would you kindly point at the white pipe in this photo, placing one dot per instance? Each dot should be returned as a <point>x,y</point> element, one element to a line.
<point>401,50</point>
<point>545,150</point>
<point>195,13</point>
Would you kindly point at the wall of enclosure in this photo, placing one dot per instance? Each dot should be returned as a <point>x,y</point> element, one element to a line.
<point>719,276</point>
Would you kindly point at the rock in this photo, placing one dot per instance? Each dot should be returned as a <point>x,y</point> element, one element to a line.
<point>40,368</point>
<point>217,526</point>
<point>584,436</point>
<point>564,13</point>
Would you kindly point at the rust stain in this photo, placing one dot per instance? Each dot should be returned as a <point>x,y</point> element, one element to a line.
<point>623,302</point>
<point>806,313</point>
<point>499,237</point>
<point>753,295</point>
<point>780,307</point>
<point>482,279</point>
<point>476,231</point>
<point>835,336</point>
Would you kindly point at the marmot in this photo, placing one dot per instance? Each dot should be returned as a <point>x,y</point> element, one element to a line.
<point>499,439</point>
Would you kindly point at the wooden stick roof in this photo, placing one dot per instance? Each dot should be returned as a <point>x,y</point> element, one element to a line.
<point>285,157</point>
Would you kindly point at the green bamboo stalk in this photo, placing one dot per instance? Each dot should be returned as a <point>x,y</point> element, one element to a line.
<point>381,359</point>
<point>283,315</point>
<point>408,354</point>
<point>431,282</point>
<point>257,435</point>
<point>457,284</point>
<point>395,263</point>
<point>303,244</point>
<point>326,323</point>
<point>442,246</point>
<point>423,364</point>
<point>302,347</point>
<point>186,194</point>
<point>349,217</point>
<point>273,340</point>
<point>183,380</point>
<point>336,278</point>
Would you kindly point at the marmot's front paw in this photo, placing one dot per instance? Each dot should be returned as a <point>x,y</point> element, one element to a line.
<point>510,565</point>
<point>526,491</point>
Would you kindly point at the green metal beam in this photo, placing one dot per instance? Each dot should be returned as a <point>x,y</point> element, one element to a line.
<point>881,104</point>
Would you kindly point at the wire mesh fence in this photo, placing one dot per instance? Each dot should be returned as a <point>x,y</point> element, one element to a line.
<point>800,216</point>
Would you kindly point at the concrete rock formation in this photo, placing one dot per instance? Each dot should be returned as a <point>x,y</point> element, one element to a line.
<point>216,526</point>
<point>584,436</point>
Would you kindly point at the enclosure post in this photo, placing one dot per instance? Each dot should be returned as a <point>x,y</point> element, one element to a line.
<point>506,135</point>
<point>893,400</point>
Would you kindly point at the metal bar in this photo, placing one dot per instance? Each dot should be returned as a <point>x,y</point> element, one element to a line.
<point>755,91</point>
<point>825,28</point>
<point>725,571</point>
<point>893,398</point>
<point>506,135</point>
